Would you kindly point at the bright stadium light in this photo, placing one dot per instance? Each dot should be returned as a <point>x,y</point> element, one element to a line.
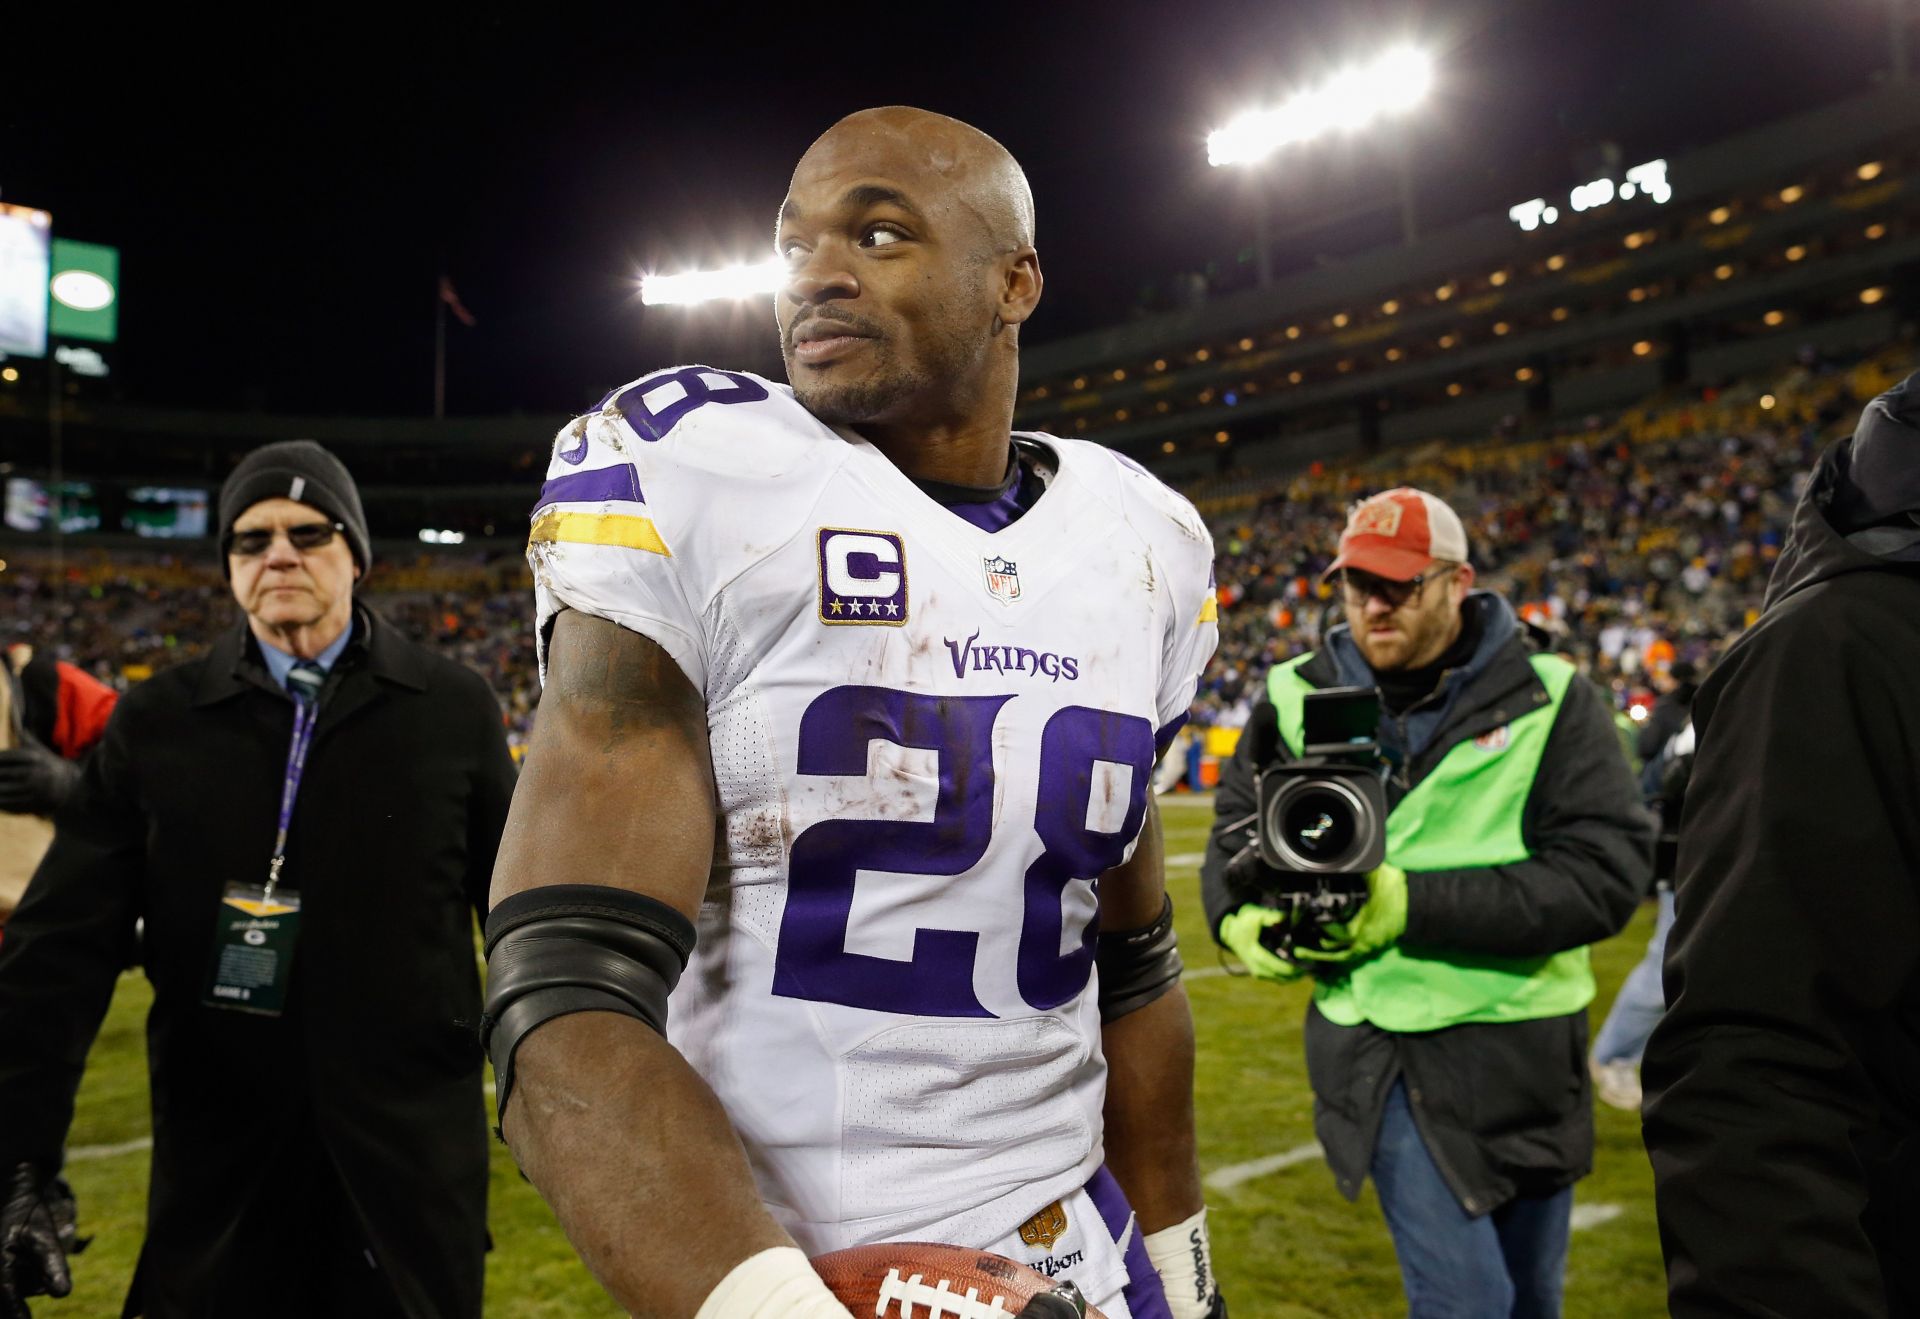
<point>743,281</point>
<point>1391,83</point>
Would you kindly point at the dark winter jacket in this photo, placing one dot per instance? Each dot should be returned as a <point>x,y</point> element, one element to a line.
<point>391,848</point>
<point>1783,1087</point>
<point>1504,1108</point>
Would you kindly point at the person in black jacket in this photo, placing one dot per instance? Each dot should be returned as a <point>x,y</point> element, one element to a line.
<point>1783,1086</point>
<point>1446,1039</point>
<point>306,821</point>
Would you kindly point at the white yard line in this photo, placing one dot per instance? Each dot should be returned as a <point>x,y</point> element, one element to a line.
<point>1586,1216</point>
<point>1205,973</point>
<point>1186,858</point>
<point>86,1153</point>
<point>1225,1179</point>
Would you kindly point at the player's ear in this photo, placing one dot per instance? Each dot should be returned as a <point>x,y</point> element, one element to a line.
<point>1020,285</point>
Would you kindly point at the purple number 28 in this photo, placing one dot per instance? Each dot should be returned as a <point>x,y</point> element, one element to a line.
<point>813,962</point>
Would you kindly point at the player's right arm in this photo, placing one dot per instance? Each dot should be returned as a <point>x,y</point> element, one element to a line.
<point>626,1143</point>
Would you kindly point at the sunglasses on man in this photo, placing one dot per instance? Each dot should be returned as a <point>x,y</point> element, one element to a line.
<point>307,536</point>
<point>1362,585</point>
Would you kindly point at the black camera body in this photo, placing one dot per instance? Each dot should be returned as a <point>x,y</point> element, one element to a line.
<point>1322,818</point>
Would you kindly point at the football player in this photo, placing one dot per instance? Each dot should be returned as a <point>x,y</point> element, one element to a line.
<point>852,702</point>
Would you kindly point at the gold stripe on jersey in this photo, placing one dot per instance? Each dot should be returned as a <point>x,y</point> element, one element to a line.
<point>622,529</point>
<point>1209,610</point>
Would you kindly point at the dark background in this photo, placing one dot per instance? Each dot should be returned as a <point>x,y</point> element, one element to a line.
<point>285,196</point>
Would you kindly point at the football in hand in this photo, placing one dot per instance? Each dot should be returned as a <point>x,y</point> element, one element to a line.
<point>895,1280</point>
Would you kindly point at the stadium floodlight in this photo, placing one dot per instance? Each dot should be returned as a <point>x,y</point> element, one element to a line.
<point>1391,83</point>
<point>735,282</point>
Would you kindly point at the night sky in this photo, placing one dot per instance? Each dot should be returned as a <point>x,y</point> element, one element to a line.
<point>285,197</point>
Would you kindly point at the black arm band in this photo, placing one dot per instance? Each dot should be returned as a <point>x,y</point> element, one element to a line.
<point>568,948</point>
<point>1138,966</point>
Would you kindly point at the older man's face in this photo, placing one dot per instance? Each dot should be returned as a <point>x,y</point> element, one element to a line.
<point>283,586</point>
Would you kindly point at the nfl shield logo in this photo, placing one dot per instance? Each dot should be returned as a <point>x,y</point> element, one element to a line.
<point>1003,579</point>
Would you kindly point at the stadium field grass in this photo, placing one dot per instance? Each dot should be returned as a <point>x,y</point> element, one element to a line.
<point>1287,1246</point>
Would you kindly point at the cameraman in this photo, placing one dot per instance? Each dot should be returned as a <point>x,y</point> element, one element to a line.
<point>1446,1041</point>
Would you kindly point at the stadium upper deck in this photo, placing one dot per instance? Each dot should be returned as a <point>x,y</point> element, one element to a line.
<point>1806,232</point>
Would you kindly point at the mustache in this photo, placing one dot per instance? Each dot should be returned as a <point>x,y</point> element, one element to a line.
<point>848,324</point>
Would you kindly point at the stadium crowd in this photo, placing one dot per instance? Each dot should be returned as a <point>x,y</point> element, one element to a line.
<point>1636,542</point>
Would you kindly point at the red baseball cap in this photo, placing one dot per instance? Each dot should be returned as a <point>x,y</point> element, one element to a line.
<point>1398,535</point>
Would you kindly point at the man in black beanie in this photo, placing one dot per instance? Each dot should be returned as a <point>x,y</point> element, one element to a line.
<point>306,820</point>
<point>1783,1087</point>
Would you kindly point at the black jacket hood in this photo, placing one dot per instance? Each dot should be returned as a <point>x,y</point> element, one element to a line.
<point>1861,508</point>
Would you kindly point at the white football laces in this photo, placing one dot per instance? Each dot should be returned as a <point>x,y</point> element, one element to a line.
<point>941,1302</point>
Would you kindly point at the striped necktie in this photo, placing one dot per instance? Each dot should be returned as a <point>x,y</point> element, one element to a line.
<point>304,680</point>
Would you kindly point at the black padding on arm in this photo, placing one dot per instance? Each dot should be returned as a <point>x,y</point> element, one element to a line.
<point>1138,966</point>
<point>568,948</point>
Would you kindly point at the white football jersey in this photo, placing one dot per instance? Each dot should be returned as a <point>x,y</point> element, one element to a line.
<point>928,742</point>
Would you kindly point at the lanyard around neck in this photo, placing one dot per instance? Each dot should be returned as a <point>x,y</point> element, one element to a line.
<point>305,715</point>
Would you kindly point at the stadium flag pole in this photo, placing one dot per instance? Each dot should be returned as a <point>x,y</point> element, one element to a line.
<point>1409,225</point>
<point>1897,20</point>
<point>54,421</point>
<point>440,350</point>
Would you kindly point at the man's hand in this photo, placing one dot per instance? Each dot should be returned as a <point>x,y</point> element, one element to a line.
<point>1240,931</point>
<point>1379,922</point>
<point>35,781</point>
<point>37,1231</point>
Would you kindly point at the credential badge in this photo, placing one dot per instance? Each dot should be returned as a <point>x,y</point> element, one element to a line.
<point>863,577</point>
<point>1003,579</point>
<point>1045,1227</point>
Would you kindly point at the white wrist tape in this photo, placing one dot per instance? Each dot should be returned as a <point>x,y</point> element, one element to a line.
<point>778,1283</point>
<point>1183,1257</point>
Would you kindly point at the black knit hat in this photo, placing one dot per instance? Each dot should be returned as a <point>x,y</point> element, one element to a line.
<point>304,472</point>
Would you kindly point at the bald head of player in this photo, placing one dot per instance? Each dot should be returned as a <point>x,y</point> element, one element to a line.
<point>909,241</point>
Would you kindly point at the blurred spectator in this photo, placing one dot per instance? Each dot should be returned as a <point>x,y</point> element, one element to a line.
<point>305,819</point>
<point>58,712</point>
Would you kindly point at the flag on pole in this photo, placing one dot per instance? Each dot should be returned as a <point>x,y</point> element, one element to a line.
<point>454,305</point>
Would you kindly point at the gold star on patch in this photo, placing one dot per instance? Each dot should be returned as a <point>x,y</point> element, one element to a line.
<point>834,606</point>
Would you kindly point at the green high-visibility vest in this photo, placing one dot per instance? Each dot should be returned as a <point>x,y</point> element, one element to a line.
<point>1465,814</point>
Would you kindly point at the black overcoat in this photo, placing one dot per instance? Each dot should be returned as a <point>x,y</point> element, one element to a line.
<point>391,847</point>
<point>1783,1085</point>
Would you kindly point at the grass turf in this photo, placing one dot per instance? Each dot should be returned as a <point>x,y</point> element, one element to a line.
<point>1286,1245</point>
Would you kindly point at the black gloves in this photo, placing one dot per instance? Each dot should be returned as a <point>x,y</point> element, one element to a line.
<point>1063,1302</point>
<point>35,781</point>
<point>38,1230</point>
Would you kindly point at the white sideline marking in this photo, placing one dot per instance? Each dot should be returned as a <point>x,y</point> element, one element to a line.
<point>1205,973</point>
<point>86,1153</point>
<point>1586,1216</point>
<point>1225,1179</point>
<point>1186,858</point>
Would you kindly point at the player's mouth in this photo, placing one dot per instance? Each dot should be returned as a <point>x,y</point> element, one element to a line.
<point>821,341</point>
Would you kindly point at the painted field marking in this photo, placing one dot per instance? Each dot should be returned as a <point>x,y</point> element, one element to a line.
<point>1205,973</point>
<point>1225,1179</point>
<point>1186,858</point>
<point>1586,1216</point>
<point>87,1153</point>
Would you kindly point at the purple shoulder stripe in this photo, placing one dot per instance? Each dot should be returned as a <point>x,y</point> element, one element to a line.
<point>602,483</point>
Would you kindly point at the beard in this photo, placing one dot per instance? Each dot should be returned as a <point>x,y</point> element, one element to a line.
<point>891,387</point>
<point>874,396</point>
<point>1422,640</point>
